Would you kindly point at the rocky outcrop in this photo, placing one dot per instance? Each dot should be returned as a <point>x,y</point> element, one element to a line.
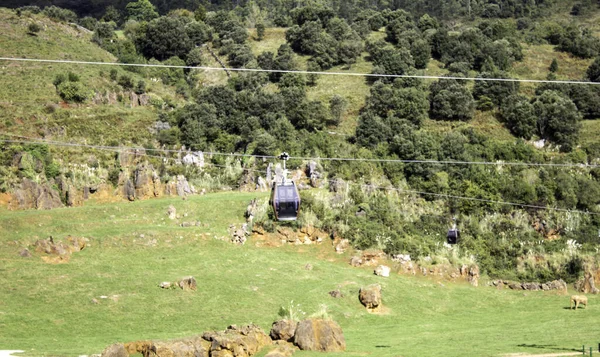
<point>147,182</point>
<point>283,330</point>
<point>236,341</point>
<point>319,335</point>
<point>587,284</point>
<point>188,347</point>
<point>115,350</point>
<point>59,251</point>
<point>33,195</point>
<point>370,296</point>
<point>531,286</point>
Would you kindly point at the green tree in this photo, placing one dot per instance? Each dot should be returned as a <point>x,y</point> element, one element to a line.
<point>165,37</point>
<point>111,14</point>
<point>497,91</point>
<point>141,10</point>
<point>337,108</point>
<point>450,101</point>
<point>558,119</point>
<point>593,71</point>
<point>519,116</point>
<point>554,66</point>
<point>260,31</point>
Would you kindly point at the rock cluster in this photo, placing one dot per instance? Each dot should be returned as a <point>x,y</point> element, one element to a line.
<point>187,283</point>
<point>310,334</point>
<point>531,286</point>
<point>59,251</point>
<point>33,195</point>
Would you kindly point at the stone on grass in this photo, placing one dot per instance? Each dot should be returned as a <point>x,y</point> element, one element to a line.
<point>116,350</point>
<point>382,270</point>
<point>319,335</point>
<point>188,283</point>
<point>283,330</point>
<point>370,296</point>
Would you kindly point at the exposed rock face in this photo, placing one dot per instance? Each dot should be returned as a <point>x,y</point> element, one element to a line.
<point>129,190</point>
<point>370,296</point>
<point>194,159</point>
<point>188,347</point>
<point>531,286</point>
<point>587,284</point>
<point>283,330</point>
<point>473,275</point>
<point>33,195</point>
<point>147,182</point>
<point>116,350</point>
<point>383,270</point>
<point>236,341</point>
<point>319,335</point>
<point>283,350</point>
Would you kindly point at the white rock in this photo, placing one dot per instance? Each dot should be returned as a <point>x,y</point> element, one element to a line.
<point>382,270</point>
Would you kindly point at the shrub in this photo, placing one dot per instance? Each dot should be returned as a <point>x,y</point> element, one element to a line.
<point>73,77</point>
<point>59,14</point>
<point>113,176</point>
<point>73,92</point>
<point>114,73</point>
<point>58,79</point>
<point>34,28</point>
<point>126,81</point>
<point>140,87</point>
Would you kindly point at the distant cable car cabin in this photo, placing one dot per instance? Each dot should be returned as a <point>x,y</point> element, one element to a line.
<point>453,235</point>
<point>285,199</point>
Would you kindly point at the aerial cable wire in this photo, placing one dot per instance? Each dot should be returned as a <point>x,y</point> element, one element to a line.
<point>433,194</point>
<point>30,140</point>
<point>449,196</point>
<point>373,75</point>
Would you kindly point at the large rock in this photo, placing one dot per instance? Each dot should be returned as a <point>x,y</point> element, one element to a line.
<point>146,182</point>
<point>587,284</point>
<point>236,341</point>
<point>187,347</point>
<point>283,330</point>
<point>383,270</point>
<point>319,335</point>
<point>116,350</point>
<point>33,195</point>
<point>370,296</point>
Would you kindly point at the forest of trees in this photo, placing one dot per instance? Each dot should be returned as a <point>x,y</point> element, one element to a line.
<point>247,115</point>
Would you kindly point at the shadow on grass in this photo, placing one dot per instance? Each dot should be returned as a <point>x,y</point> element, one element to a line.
<point>549,347</point>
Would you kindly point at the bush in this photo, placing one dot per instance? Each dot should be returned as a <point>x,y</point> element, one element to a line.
<point>73,92</point>
<point>140,87</point>
<point>59,79</point>
<point>113,176</point>
<point>73,77</point>
<point>114,74</point>
<point>34,28</point>
<point>59,14</point>
<point>126,81</point>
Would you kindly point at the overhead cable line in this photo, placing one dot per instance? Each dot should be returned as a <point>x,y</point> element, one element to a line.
<point>374,75</point>
<point>442,195</point>
<point>30,140</point>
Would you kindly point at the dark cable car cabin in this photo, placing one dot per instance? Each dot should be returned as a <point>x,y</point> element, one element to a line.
<point>285,201</point>
<point>453,236</point>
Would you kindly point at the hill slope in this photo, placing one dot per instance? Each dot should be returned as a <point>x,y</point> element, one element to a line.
<point>47,310</point>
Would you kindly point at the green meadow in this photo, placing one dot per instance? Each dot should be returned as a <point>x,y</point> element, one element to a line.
<point>47,309</point>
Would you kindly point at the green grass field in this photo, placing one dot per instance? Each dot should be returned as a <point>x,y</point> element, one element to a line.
<point>46,309</point>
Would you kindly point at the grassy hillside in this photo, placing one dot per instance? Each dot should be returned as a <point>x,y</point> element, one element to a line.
<point>29,101</point>
<point>46,309</point>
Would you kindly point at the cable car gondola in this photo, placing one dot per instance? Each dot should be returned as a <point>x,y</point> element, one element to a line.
<point>285,199</point>
<point>453,235</point>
